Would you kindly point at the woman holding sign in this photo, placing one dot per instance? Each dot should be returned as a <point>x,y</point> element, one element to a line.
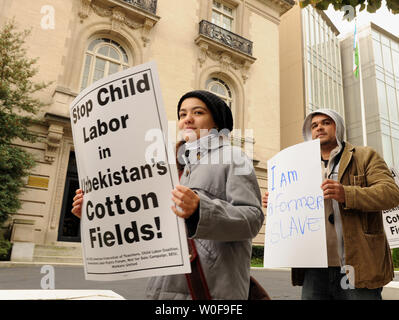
<point>220,200</point>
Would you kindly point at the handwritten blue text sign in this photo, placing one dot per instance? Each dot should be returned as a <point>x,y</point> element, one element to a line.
<point>295,225</point>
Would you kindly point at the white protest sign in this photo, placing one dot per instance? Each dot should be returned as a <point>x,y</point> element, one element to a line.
<point>128,229</point>
<point>391,219</point>
<point>295,226</point>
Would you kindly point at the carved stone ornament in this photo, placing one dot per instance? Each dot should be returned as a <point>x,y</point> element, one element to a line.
<point>101,11</point>
<point>132,16</point>
<point>203,49</point>
<point>148,24</point>
<point>225,59</point>
<point>54,137</point>
<point>118,18</point>
<point>225,37</point>
<point>84,10</point>
<point>117,14</point>
<point>230,51</point>
<point>245,70</point>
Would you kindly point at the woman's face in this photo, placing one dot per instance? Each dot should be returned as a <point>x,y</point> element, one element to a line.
<point>195,119</point>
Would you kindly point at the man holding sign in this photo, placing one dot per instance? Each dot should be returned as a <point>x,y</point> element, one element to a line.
<point>357,186</point>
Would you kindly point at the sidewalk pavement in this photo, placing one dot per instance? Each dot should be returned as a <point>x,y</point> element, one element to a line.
<point>390,291</point>
<point>51,294</point>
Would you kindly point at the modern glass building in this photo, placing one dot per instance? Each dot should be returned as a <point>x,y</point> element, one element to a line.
<point>310,69</point>
<point>379,56</point>
<point>322,62</point>
<point>386,59</point>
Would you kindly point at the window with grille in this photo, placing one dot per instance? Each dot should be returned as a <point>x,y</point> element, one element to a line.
<point>103,57</point>
<point>221,89</point>
<point>222,15</point>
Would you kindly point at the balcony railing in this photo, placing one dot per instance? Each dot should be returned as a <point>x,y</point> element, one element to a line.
<point>225,37</point>
<point>147,5</point>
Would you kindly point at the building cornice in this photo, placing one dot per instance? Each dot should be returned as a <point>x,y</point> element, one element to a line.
<point>328,21</point>
<point>283,5</point>
<point>384,32</point>
<point>123,12</point>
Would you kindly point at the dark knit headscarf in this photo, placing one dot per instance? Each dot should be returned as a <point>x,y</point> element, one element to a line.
<point>221,113</point>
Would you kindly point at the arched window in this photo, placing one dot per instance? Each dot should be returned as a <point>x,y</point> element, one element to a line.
<point>103,58</point>
<point>221,89</point>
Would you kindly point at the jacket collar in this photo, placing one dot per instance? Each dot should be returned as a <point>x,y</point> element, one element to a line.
<point>203,146</point>
<point>209,142</point>
<point>345,159</point>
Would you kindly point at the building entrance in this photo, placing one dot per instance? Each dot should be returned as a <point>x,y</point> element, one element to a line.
<point>69,227</point>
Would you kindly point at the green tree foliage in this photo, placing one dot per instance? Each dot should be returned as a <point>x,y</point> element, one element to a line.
<point>18,108</point>
<point>395,257</point>
<point>371,5</point>
<point>5,249</point>
<point>15,164</point>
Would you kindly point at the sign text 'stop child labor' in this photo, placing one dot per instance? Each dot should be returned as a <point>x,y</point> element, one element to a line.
<point>105,97</point>
<point>128,228</point>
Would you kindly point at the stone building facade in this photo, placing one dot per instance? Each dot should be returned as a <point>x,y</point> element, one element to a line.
<point>230,47</point>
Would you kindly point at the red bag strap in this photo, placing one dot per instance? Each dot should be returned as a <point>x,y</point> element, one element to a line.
<point>196,280</point>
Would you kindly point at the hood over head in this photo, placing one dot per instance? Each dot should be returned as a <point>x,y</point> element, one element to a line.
<point>339,123</point>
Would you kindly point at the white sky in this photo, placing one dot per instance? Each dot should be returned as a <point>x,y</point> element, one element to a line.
<point>382,17</point>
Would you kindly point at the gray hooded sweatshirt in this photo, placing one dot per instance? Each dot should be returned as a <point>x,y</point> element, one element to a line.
<point>331,172</point>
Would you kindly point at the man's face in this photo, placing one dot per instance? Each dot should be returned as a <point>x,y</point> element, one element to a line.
<point>323,128</point>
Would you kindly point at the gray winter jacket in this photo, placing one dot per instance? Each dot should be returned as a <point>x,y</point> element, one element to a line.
<point>229,216</point>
